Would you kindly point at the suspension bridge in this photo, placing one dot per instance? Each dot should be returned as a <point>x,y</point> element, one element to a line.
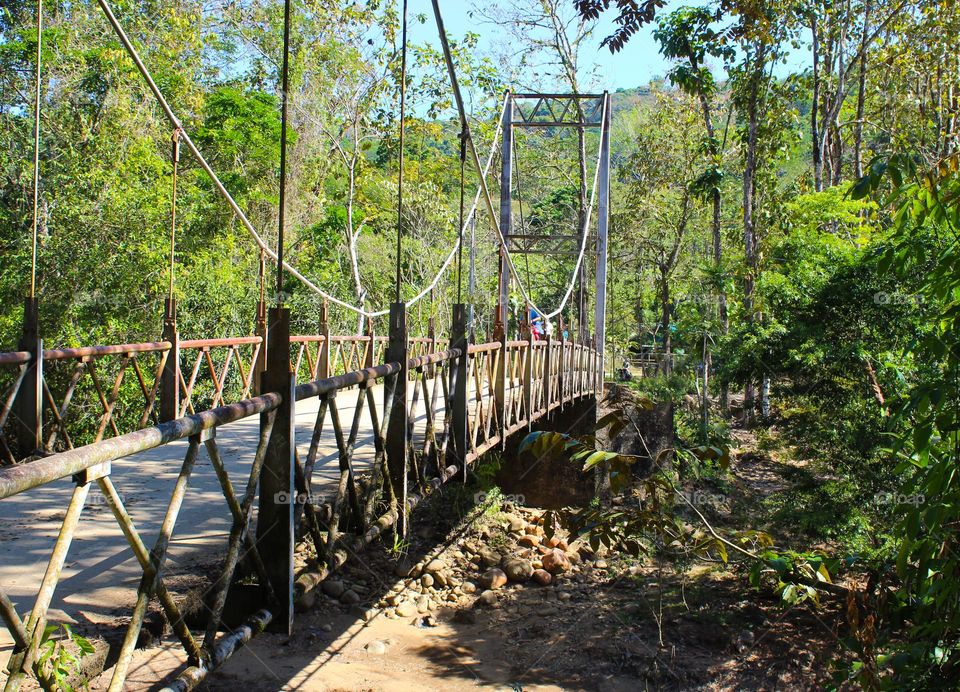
<point>123,465</point>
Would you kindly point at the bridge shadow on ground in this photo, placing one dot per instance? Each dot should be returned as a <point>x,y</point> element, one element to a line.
<point>607,623</point>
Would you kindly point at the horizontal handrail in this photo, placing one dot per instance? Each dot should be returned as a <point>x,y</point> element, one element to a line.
<point>431,358</point>
<point>483,348</point>
<point>112,350</point>
<point>219,343</point>
<point>70,353</point>
<point>14,357</point>
<point>351,379</point>
<point>33,474</point>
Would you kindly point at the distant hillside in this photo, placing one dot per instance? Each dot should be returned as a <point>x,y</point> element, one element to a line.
<point>628,99</point>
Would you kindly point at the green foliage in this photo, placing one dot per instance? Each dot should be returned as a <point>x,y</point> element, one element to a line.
<point>689,34</point>
<point>925,255</point>
<point>240,133</point>
<point>59,658</point>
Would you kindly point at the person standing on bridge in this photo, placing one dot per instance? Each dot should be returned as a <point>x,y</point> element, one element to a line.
<point>536,328</point>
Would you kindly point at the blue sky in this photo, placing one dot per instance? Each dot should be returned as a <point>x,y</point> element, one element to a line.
<point>635,65</point>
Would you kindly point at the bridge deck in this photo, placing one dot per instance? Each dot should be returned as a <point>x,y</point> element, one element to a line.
<point>101,575</point>
<point>508,386</point>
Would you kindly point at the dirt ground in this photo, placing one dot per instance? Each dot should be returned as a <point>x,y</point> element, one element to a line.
<point>426,614</point>
<point>606,623</point>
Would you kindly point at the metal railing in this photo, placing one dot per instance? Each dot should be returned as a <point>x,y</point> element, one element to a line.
<point>91,393</point>
<point>469,397</point>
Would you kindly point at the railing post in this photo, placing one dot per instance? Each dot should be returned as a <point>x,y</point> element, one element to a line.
<point>459,372</point>
<point>432,337</point>
<point>323,353</point>
<point>275,520</point>
<point>260,329</point>
<point>500,389</point>
<point>371,345</point>
<point>170,377</point>
<point>561,371</point>
<point>397,445</point>
<point>528,380</point>
<point>547,377</point>
<point>28,411</point>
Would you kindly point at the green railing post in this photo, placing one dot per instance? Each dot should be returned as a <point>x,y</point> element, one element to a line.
<point>28,409</point>
<point>397,431</point>
<point>275,519</point>
<point>459,373</point>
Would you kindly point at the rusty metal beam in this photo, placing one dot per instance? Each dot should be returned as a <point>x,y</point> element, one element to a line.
<point>23,477</point>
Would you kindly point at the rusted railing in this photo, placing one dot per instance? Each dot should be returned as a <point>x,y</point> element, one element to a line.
<point>91,393</point>
<point>437,413</point>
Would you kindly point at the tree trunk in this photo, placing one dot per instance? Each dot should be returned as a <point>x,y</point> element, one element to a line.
<point>749,174</point>
<point>814,110</point>
<point>705,397</point>
<point>665,318</point>
<point>861,93</point>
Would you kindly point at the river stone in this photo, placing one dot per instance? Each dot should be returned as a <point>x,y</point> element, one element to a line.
<point>423,605</point>
<point>406,609</point>
<point>488,599</point>
<point>306,601</point>
<point>333,588</point>
<point>489,558</point>
<point>493,578</point>
<point>376,647</point>
<point>468,587</point>
<point>350,597</point>
<point>556,561</point>
<point>426,580</point>
<point>517,569</point>
<point>515,524</point>
<point>542,577</point>
<point>529,541</point>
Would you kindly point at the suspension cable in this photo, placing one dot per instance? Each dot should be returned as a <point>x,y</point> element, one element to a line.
<point>195,152</point>
<point>403,113</point>
<point>281,222</point>
<point>239,213</point>
<point>463,166</point>
<point>175,157</point>
<point>36,152</point>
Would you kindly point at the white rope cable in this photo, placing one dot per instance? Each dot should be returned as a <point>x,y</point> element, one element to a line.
<point>473,210</point>
<point>469,217</point>
<point>175,122</point>
<point>586,221</point>
<point>583,242</point>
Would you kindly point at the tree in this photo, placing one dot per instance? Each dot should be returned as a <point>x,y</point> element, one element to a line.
<point>659,198</point>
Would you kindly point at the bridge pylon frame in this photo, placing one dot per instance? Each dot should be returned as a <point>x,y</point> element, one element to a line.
<point>551,111</point>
